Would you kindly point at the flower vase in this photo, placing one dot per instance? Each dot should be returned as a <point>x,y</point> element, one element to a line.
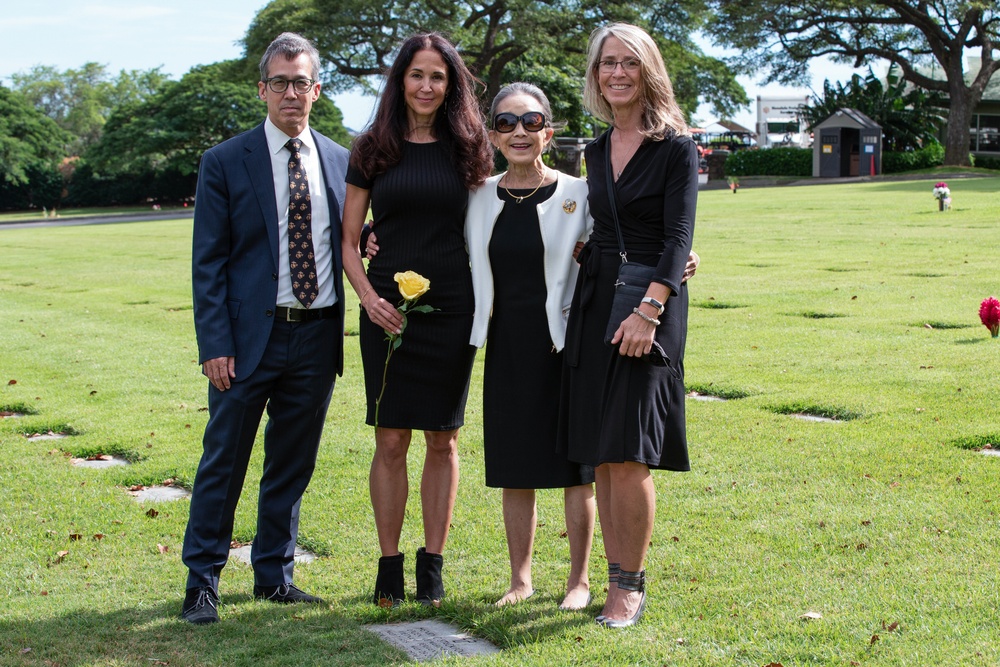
<point>940,204</point>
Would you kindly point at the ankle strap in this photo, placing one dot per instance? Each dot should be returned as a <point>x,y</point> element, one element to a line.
<point>631,581</point>
<point>613,570</point>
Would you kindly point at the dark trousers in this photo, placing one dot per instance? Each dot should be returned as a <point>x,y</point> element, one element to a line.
<point>294,382</point>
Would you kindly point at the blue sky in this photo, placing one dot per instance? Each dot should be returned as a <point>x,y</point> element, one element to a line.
<point>178,34</point>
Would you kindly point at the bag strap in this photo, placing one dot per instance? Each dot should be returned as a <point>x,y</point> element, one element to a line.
<point>614,204</point>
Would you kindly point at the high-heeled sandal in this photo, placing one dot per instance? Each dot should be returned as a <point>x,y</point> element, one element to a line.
<point>628,581</point>
<point>613,570</point>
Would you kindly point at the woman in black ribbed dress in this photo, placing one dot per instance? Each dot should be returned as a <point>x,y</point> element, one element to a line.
<point>415,166</point>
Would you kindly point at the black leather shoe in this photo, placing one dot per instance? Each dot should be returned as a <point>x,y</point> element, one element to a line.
<point>201,606</point>
<point>285,594</point>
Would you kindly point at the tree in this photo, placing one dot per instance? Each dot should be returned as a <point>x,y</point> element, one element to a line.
<point>780,38</point>
<point>543,41</point>
<point>910,117</point>
<point>164,135</point>
<point>81,100</point>
<point>27,138</point>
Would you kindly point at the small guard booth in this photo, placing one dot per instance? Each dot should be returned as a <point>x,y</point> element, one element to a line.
<point>848,143</point>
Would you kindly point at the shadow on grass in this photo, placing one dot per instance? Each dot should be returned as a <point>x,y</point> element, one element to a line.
<point>970,341</point>
<point>250,633</point>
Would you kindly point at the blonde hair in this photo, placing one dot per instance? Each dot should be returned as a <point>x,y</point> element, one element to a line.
<point>660,113</point>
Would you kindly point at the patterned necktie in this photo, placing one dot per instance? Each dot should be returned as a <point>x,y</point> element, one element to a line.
<point>301,260</point>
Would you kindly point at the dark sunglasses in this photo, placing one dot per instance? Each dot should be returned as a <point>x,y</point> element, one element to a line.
<point>533,121</point>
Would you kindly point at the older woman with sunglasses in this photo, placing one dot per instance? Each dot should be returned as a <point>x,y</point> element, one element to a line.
<point>522,229</point>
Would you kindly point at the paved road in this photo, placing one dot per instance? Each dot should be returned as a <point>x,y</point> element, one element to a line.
<point>101,219</point>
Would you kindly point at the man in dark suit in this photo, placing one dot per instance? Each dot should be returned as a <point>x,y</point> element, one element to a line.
<point>269,317</point>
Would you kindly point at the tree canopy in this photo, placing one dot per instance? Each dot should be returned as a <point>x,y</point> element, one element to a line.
<point>81,100</point>
<point>157,142</point>
<point>543,41</point>
<point>780,38</point>
<point>27,138</point>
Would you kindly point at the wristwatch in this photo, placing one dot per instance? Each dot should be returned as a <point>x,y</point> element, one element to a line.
<point>654,303</point>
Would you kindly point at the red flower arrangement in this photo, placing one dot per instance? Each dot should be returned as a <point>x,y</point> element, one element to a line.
<point>989,315</point>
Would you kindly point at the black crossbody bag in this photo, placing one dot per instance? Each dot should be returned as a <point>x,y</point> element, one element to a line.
<point>632,282</point>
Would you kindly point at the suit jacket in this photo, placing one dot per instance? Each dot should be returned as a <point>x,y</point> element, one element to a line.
<point>235,249</point>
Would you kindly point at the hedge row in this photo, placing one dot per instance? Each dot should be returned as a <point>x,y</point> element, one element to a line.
<point>928,156</point>
<point>798,161</point>
<point>770,162</point>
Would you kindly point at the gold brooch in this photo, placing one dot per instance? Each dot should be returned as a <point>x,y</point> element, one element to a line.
<point>569,205</point>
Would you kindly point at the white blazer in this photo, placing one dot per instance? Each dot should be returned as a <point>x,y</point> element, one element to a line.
<point>564,219</point>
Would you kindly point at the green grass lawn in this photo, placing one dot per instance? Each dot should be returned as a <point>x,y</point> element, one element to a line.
<point>854,301</point>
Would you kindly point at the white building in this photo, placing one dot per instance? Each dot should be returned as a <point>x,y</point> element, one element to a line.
<point>780,123</point>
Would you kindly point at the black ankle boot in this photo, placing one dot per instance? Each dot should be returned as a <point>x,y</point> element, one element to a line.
<point>430,589</point>
<point>389,581</point>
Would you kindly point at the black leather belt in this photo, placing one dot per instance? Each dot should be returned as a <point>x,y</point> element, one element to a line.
<point>303,314</point>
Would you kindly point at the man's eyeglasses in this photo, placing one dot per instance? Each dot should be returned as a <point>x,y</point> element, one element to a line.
<point>629,65</point>
<point>533,121</point>
<point>279,85</point>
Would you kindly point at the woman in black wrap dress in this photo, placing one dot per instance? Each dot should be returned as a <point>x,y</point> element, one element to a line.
<point>620,412</point>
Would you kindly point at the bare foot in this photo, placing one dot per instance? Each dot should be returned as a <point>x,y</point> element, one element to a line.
<point>576,598</point>
<point>515,595</point>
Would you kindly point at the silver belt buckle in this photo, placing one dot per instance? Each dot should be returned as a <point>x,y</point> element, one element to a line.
<point>288,315</point>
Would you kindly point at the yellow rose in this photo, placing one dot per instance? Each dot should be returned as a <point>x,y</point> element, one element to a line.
<point>411,284</point>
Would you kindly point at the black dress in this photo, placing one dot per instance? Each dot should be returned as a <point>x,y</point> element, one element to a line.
<point>523,371</point>
<point>613,408</point>
<point>418,209</point>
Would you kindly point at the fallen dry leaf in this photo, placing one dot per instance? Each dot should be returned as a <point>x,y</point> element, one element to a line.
<point>811,616</point>
<point>891,627</point>
<point>136,487</point>
<point>98,536</point>
<point>680,640</point>
<point>774,664</point>
<point>75,536</point>
<point>153,513</point>
<point>874,639</point>
<point>26,649</point>
<point>579,639</point>
<point>162,548</point>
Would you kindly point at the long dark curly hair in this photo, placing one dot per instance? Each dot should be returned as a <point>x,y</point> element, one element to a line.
<point>458,123</point>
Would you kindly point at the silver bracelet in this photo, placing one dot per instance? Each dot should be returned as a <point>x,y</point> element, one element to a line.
<point>651,320</point>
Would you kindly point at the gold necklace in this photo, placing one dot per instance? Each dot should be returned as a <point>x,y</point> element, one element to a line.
<point>517,199</point>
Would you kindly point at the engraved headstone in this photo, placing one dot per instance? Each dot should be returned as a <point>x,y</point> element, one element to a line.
<point>429,640</point>
<point>242,554</point>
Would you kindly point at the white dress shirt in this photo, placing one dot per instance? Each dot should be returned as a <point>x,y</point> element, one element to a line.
<point>322,251</point>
